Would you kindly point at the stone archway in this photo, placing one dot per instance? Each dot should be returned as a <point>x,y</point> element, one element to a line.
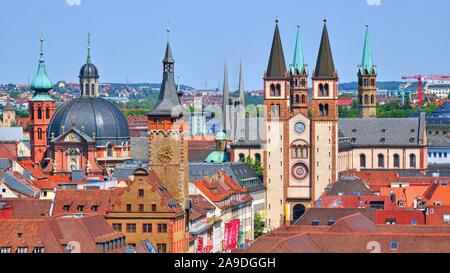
<point>298,211</point>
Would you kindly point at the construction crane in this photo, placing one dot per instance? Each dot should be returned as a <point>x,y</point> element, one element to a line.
<point>420,78</point>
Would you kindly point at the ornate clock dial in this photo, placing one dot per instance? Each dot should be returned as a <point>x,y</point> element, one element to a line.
<point>300,171</point>
<point>165,154</point>
<point>299,127</point>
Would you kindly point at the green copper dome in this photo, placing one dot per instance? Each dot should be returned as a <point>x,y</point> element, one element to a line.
<point>218,157</point>
<point>41,82</point>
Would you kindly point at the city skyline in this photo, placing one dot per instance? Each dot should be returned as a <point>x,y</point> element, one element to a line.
<point>128,40</point>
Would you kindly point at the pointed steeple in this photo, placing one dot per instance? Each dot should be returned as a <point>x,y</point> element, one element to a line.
<point>168,97</point>
<point>241,85</point>
<point>226,91</point>
<point>367,59</point>
<point>226,97</point>
<point>41,82</point>
<point>277,64</point>
<point>298,62</point>
<point>8,106</point>
<point>325,65</point>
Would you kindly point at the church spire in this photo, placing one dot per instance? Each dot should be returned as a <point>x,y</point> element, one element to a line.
<point>298,62</point>
<point>41,82</point>
<point>367,59</point>
<point>277,65</point>
<point>325,65</point>
<point>226,97</point>
<point>241,85</point>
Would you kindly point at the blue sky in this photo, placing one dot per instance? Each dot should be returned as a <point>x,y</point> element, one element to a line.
<point>408,37</point>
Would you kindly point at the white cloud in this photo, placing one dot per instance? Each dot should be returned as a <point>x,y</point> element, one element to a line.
<point>78,2</point>
<point>374,2</point>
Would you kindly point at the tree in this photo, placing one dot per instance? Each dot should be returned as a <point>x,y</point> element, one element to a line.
<point>255,164</point>
<point>258,225</point>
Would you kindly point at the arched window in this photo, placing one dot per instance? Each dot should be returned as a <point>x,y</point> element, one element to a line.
<point>272,89</point>
<point>47,113</point>
<point>327,89</point>
<point>372,99</point>
<point>321,109</point>
<point>360,99</point>
<point>303,98</point>
<point>39,133</point>
<point>303,83</point>
<point>305,151</point>
<point>412,160</point>
<point>92,89</point>
<point>258,157</point>
<point>326,110</point>
<point>39,113</point>
<point>372,82</point>
<point>294,151</point>
<point>241,157</point>
<point>362,160</point>
<point>278,90</point>
<point>366,99</point>
<point>297,98</point>
<point>396,161</point>
<point>88,92</point>
<point>380,160</point>
<point>321,90</point>
<point>275,110</point>
<point>109,151</point>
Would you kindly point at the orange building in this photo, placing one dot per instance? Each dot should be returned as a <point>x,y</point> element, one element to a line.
<point>147,211</point>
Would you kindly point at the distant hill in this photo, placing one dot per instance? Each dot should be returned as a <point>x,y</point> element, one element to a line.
<point>389,85</point>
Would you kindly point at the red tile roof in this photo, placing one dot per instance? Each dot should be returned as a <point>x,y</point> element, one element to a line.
<point>27,208</point>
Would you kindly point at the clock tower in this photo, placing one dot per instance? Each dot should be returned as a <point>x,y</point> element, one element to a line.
<point>168,150</point>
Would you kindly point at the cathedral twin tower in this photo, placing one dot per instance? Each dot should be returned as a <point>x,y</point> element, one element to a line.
<point>301,136</point>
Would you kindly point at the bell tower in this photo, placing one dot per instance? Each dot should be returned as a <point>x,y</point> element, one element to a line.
<point>277,106</point>
<point>367,79</point>
<point>299,80</point>
<point>89,75</point>
<point>168,150</point>
<point>324,122</point>
<point>41,109</point>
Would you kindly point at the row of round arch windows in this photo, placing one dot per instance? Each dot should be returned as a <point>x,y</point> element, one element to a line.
<point>381,160</point>
<point>40,113</point>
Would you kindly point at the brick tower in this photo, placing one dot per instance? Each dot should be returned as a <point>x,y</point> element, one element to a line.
<point>367,79</point>
<point>324,123</point>
<point>299,80</point>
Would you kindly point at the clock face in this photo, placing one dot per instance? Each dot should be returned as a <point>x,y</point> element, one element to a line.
<point>299,127</point>
<point>300,171</point>
<point>165,154</point>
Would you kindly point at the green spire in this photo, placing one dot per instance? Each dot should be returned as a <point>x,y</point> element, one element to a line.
<point>41,83</point>
<point>298,62</point>
<point>89,49</point>
<point>367,60</point>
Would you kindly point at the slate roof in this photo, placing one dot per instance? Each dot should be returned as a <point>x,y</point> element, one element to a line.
<point>369,132</point>
<point>19,185</point>
<point>4,164</point>
<point>348,186</point>
<point>438,141</point>
<point>168,100</point>
<point>277,64</point>
<point>325,64</point>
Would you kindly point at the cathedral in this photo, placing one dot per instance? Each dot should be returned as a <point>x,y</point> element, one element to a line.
<point>306,146</point>
<point>88,133</point>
